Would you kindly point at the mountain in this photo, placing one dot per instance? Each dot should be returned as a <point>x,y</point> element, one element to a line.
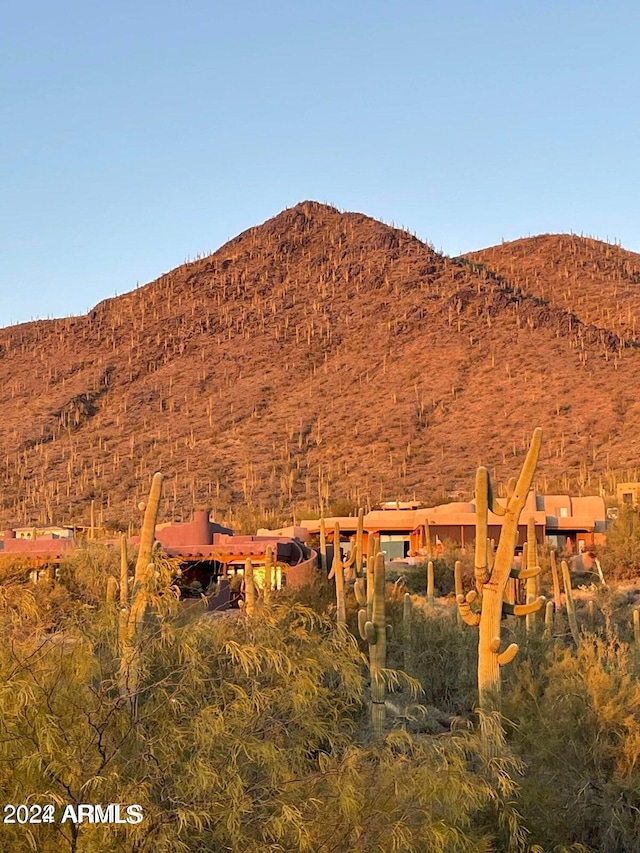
<point>322,356</point>
<point>599,282</point>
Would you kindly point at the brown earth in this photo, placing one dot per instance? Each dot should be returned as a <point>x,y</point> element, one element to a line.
<point>322,356</point>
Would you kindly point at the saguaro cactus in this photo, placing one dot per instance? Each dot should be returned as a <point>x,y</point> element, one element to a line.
<point>337,572</point>
<point>376,632</point>
<point>249,588</point>
<point>557,597</point>
<point>268,572</point>
<point>457,586</point>
<point>360,542</point>
<point>571,608</point>
<point>124,571</point>
<point>323,547</point>
<point>148,532</point>
<point>532,571</point>
<point>372,552</point>
<point>349,565</point>
<point>548,619</point>
<point>133,615</point>
<point>492,574</point>
<point>407,612</point>
<point>430,584</point>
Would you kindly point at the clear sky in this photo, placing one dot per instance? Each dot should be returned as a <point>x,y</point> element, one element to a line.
<point>137,134</point>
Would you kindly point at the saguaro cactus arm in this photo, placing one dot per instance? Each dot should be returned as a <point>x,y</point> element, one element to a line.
<point>507,655</point>
<point>522,609</point>
<point>469,616</point>
<point>360,591</point>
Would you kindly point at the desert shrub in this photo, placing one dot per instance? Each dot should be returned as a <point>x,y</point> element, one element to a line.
<point>576,723</point>
<point>244,737</point>
<point>620,557</point>
<point>84,572</point>
<point>444,656</point>
<point>415,577</point>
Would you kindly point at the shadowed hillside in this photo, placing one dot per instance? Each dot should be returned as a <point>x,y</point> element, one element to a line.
<point>321,355</point>
<point>598,281</point>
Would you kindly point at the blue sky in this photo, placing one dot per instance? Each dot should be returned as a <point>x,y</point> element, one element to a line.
<point>137,134</point>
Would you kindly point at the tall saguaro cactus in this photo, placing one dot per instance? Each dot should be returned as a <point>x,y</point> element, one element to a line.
<point>148,532</point>
<point>492,572</point>
<point>531,563</point>
<point>249,588</point>
<point>430,584</point>
<point>375,631</point>
<point>571,608</point>
<point>323,547</point>
<point>133,613</point>
<point>337,573</point>
<point>360,542</point>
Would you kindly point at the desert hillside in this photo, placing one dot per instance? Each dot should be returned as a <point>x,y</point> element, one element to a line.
<point>598,282</point>
<point>320,356</point>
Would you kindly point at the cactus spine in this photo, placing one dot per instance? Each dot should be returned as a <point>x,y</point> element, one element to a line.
<point>375,631</point>
<point>491,580</point>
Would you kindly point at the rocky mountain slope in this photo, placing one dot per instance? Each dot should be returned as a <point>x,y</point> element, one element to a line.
<point>321,356</point>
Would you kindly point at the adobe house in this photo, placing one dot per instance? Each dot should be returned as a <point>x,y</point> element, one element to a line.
<point>204,548</point>
<point>628,494</point>
<point>561,521</point>
<point>52,532</point>
<point>207,550</point>
<point>49,547</point>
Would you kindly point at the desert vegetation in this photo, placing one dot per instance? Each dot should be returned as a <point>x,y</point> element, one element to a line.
<point>318,362</point>
<point>360,714</point>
